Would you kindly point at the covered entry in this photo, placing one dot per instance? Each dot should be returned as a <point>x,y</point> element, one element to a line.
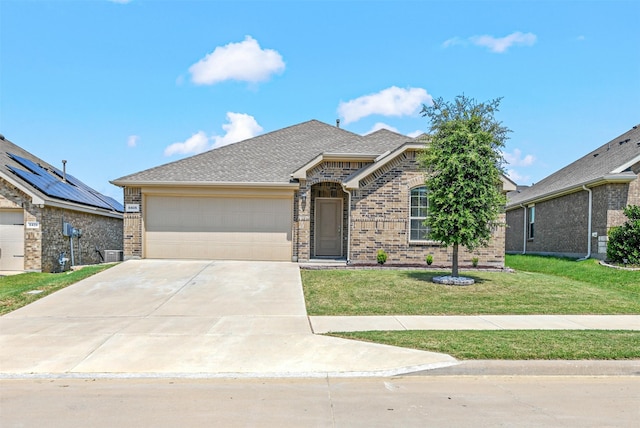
<point>250,227</point>
<point>11,239</point>
<point>329,221</point>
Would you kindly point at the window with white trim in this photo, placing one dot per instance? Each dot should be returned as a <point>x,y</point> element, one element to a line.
<point>531,217</point>
<point>419,212</point>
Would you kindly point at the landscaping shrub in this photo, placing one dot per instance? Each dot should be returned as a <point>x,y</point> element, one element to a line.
<point>624,241</point>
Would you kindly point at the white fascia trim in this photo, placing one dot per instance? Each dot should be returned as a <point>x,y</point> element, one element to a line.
<point>508,185</point>
<point>301,173</point>
<point>354,182</point>
<point>35,199</point>
<point>627,165</point>
<point>202,184</point>
<point>609,178</point>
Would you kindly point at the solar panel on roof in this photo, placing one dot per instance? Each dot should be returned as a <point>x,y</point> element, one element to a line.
<point>71,190</point>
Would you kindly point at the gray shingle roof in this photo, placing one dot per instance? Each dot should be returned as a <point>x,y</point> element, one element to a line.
<point>268,158</point>
<point>606,160</point>
<point>49,178</point>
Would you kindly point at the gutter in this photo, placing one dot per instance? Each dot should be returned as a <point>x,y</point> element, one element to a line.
<point>589,223</point>
<point>348,223</point>
<point>201,184</point>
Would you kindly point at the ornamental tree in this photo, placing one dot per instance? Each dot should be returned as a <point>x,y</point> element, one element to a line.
<point>463,164</point>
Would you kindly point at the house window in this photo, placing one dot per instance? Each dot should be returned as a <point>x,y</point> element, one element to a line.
<point>419,213</point>
<point>532,218</point>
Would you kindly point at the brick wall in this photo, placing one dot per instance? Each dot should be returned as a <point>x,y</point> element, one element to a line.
<point>514,231</point>
<point>561,224</point>
<point>380,220</point>
<point>379,217</point>
<point>44,244</point>
<point>97,231</point>
<point>132,234</point>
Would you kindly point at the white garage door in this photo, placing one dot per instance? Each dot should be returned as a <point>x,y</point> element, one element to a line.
<point>219,228</point>
<point>11,240</point>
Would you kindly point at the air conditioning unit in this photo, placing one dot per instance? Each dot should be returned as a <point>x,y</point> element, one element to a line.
<point>112,256</point>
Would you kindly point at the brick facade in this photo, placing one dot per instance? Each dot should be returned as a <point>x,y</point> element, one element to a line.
<point>44,243</point>
<point>379,217</point>
<point>561,224</point>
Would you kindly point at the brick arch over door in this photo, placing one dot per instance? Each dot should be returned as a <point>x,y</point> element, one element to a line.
<point>329,189</point>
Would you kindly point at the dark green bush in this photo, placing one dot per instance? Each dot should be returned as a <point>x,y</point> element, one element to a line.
<point>624,241</point>
<point>382,257</point>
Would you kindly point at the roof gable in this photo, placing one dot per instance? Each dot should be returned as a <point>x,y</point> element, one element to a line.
<point>609,162</point>
<point>268,158</point>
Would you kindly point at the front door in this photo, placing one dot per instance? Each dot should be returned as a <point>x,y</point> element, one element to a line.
<point>328,227</point>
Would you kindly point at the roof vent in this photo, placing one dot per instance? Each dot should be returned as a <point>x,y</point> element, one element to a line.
<point>1,137</point>
<point>338,123</point>
<point>595,155</point>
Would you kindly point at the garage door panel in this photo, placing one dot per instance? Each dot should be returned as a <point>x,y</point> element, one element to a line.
<point>11,239</point>
<point>218,228</point>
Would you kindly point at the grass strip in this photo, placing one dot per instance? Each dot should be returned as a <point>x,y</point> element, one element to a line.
<point>513,344</point>
<point>14,289</point>
<point>586,271</point>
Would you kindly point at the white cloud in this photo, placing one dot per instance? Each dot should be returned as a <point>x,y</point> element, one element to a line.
<point>516,159</point>
<point>453,41</point>
<point>415,133</point>
<point>132,141</point>
<point>501,44</point>
<point>244,61</point>
<point>240,127</point>
<point>392,101</point>
<point>517,177</point>
<point>195,144</point>
<point>380,125</point>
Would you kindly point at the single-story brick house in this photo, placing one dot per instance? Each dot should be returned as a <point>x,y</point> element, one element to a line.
<point>570,212</point>
<point>44,210</point>
<point>309,191</point>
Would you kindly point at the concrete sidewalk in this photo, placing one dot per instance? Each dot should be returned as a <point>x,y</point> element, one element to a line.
<point>326,324</point>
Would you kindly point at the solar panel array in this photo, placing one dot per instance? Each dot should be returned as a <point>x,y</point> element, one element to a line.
<point>72,189</point>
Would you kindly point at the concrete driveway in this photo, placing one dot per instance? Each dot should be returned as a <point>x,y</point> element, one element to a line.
<point>188,318</point>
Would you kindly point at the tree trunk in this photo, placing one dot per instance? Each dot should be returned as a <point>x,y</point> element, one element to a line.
<point>454,267</point>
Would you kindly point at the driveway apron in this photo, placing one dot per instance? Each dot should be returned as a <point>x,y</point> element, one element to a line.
<point>188,318</point>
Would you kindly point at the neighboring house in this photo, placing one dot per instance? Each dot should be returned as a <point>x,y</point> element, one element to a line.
<point>570,212</point>
<point>43,211</point>
<point>309,191</point>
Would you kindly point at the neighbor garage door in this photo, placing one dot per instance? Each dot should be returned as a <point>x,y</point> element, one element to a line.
<point>222,228</point>
<point>11,240</point>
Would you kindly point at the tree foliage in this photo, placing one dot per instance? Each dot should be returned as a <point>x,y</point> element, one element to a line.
<point>624,241</point>
<point>463,162</point>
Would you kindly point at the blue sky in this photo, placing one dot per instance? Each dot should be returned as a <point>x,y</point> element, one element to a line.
<point>115,87</point>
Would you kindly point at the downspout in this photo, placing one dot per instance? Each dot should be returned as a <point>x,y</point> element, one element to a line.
<point>524,229</point>
<point>348,223</point>
<point>588,223</point>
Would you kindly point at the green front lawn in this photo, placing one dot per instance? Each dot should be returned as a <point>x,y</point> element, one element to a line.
<point>540,285</point>
<point>14,289</point>
<point>513,344</point>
